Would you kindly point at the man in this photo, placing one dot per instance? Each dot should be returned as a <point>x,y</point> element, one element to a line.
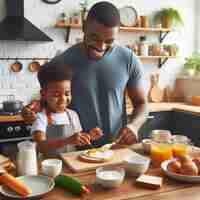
<point>102,73</point>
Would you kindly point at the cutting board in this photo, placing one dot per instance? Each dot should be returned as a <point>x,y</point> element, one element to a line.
<point>76,165</point>
<point>156,94</point>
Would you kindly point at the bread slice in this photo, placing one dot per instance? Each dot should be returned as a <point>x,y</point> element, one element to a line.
<point>152,182</point>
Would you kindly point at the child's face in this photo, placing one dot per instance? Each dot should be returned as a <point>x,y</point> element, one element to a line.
<point>58,95</point>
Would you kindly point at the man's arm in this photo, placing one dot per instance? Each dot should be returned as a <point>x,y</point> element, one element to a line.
<point>129,134</point>
<point>140,108</point>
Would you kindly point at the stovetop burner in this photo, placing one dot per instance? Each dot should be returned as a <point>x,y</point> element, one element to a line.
<point>4,113</point>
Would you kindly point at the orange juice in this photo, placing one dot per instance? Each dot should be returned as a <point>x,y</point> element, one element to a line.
<point>180,149</point>
<point>160,152</point>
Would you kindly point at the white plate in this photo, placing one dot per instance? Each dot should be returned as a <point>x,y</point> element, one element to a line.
<point>179,177</point>
<point>100,154</point>
<point>39,185</point>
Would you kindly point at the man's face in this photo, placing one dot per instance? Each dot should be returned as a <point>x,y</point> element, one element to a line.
<point>58,95</point>
<point>98,38</point>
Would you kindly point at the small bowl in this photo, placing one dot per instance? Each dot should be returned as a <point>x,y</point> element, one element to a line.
<point>109,177</point>
<point>51,167</point>
<point>146,144</point>
<point>136,165</point>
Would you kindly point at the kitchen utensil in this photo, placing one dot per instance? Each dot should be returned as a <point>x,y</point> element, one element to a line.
<point>27,158</point>
<point>156,94</point>
<point>73,161</point>
<point>16,66</point>
<point>40,185</point>
<point>34,66</point>
<point>12,105</point>
<point>110,177</point>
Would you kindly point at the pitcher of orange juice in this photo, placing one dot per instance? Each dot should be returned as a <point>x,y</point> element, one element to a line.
<point>161,148</point>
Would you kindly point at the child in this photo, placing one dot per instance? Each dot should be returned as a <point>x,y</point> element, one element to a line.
<point>57,129</point>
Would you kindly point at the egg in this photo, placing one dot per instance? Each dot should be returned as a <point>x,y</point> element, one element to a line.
<point>174,166</point>
<point>197,162</point>
<point>189,168</point>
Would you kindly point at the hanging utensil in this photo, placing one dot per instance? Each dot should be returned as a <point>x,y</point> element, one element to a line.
<point>34,66</point>
<point>16,66</point>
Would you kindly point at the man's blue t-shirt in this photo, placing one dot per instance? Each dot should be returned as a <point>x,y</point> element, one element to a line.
<point>98,87</point>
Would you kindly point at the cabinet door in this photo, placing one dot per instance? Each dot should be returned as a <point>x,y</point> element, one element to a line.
<point>187,124</point>
<point>157,120</point>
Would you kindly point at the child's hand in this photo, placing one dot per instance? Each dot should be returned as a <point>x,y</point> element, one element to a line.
<point>95,133</point>
<point>79,139</point>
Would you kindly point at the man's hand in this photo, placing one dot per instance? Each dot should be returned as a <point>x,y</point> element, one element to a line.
<point>95,133</point>
<point>126,137</point>
<point>79,139</point>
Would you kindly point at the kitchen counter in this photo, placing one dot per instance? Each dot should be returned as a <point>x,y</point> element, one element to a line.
<point>172,106</point>
<point>11,118</point>
<point>171,189</point>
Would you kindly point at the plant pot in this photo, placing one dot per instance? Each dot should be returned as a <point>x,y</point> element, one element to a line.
<point>166,22</point>
<point>191,72</point>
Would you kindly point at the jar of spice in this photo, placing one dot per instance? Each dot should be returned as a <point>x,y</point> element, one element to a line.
<point>144,47</point>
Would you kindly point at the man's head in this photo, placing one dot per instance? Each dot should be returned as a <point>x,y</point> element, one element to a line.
<point>100,29</point>
<point>55,82</point>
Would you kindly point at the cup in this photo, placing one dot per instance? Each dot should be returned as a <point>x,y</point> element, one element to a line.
<point>51,167</point>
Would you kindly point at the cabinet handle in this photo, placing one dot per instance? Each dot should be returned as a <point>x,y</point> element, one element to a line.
<point>151,117</point>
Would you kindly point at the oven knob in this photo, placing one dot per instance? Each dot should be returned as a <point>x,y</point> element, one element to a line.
<point>17,128</point>
<point>28,128</point>
<point>9,129</point>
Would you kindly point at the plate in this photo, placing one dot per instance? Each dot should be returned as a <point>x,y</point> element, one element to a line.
<point>178,177</point>
<point>128,16</point>
<point>40,185</point>
<point>94,155</point>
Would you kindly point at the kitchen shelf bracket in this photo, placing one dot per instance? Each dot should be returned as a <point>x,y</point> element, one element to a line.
<point>162,61</point>
<point>162,36</point>
<point>68,29</point>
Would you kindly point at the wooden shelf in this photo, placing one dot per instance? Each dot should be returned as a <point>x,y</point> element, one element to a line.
<point>156,57</point>
<point>161,31</point>
<point>122,28</point>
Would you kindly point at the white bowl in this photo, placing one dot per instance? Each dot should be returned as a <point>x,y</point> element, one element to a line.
<point>51,167</point>
<point>136,165</point>
<point>110,177</point>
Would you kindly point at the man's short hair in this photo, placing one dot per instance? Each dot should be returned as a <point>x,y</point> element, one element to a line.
<point>52,71</point>
<point>105,13</point>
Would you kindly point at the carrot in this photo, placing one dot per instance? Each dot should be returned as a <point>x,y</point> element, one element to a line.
<point>15,184</point>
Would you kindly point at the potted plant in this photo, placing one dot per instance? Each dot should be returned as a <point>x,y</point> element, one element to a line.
<point>192,64</point>
<point>168,17</point>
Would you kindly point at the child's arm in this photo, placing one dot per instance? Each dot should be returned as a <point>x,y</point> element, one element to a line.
<point>45,145</point>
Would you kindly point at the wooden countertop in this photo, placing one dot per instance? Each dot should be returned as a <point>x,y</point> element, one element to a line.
<point>11,118</point>
<point>171,189</point>
<point>174,106</point>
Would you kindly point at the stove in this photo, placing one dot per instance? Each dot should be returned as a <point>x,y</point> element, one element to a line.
<point>12,131</point>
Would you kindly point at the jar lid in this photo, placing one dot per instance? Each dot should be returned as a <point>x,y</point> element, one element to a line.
<point>161,135</point>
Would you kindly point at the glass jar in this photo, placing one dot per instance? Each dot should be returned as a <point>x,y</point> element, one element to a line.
<point>180,145</point>
<point>144,47</point>
<point>161,147</point>
<point>27,158</point>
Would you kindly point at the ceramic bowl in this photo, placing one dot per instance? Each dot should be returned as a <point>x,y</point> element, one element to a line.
<point>136,165</point>
<point>110,177</point>
<point>51,167</point>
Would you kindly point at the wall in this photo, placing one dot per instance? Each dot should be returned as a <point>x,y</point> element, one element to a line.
<point>24,85</point>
